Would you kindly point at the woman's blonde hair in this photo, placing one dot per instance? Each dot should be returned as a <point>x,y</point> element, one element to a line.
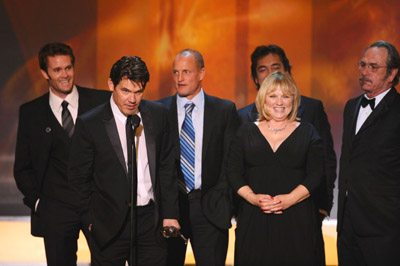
<point>270,84</point>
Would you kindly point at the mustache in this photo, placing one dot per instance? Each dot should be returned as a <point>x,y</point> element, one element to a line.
<point>363,79</point>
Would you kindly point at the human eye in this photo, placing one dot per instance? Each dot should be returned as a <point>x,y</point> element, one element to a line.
<point>186,71</point>
<point>275,67</point>
<point>373,67</point>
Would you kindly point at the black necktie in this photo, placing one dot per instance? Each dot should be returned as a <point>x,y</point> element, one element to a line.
<point>365,102</point>
<point>67,122</point>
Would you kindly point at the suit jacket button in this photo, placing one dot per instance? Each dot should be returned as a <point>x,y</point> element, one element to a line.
<point>129,204</point>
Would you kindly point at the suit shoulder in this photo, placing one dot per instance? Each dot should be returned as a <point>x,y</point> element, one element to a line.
<point>311,101</point>
<point>41,101</point>
<point>166,101</point>
<point>222,103</point>
<point>154,105</point>
<point>94,113</point>
<point>246,109</point>
<point>93,92</point>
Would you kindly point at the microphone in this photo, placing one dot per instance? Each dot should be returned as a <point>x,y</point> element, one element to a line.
<point>135,121</point>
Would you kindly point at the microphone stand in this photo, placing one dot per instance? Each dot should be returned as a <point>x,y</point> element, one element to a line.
<point>135,121</point>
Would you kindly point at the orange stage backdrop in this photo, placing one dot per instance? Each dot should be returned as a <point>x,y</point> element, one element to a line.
<point>322,39</point>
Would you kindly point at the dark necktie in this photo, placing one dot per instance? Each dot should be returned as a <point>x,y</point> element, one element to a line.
<point>365,102</point>
<point>67,122</point>
<point>187,141</point>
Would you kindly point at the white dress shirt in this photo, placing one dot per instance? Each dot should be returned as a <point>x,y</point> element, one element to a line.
<point>73,102</point>
<point>144,186</point>
<point>364,112</point>
<point>198,122</point>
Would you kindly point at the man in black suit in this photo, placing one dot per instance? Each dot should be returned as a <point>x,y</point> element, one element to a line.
<point>109,185</point>
<point>267,59</point>
<point>204,197</point>
<point>43,144</point>
<point>369,177</point>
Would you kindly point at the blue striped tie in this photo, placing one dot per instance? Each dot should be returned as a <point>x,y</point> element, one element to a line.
<point>187,140</point>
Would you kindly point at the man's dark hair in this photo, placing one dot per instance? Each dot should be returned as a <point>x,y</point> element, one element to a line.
<point>130,67</point>
<point>53,49</point>
<point>393,59</point>
<point>262,51</point>
<point>197,56</point>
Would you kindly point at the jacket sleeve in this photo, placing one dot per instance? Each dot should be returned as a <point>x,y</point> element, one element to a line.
<point>24,173</point>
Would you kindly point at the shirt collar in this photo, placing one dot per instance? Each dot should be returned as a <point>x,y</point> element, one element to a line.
<point>72,99</point>
<point>198,100</point>
<point>118,114</point>
<point>379,97</point>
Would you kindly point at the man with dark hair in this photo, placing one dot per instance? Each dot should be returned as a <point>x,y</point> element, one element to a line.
<point>122,166</point>
<point>202,128</point>
<point>45,127</point>
<point>369,177</point>
<point>267,59</point>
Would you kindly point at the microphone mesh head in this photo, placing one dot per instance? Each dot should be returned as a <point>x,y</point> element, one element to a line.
<point>135,120</point>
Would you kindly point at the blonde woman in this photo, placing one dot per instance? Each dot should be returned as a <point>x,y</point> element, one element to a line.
<point>275,164</point>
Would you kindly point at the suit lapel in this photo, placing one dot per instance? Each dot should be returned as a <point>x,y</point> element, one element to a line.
<point>379,111</point>
<point>83,101</point>
<point>173,119</point>
<point>300,110</point>
<point>253,115</point>
<point>354,117</point>
<point>209,118</point>
<point>112,132</point>
<point>150,139</point>
<point>48,128</point>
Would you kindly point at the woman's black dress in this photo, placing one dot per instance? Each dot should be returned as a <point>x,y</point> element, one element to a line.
<point>290,238</point>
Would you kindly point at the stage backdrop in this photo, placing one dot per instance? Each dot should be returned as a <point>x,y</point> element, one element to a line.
<point>322,39</point>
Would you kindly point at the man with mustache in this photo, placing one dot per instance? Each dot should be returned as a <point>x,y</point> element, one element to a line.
<point>369,177</point>
<point>45,127</point>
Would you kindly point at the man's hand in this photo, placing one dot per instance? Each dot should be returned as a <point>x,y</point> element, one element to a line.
<point>171,222</point>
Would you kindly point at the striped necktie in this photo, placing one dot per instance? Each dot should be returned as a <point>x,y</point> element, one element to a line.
<point>187,140</point>
<point>67,122</point>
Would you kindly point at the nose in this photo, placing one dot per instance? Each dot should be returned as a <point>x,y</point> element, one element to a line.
<point>180,76</point>
<point>280,100</point>
<point>132,98</point>
<point>364,71</point>
<point>64,73</point>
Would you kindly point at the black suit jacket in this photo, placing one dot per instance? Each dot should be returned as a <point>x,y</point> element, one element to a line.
<point>370,170</point>
<point>311,111</point>
<point>35,137</point>
<point>97,169</point>
<point>220,125</point>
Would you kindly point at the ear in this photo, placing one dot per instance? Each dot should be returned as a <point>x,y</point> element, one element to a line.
<point>44,74</point>
<point>202,73</point>
<point>393,74</point>
<point>110,84</point>
<point>256,82</point>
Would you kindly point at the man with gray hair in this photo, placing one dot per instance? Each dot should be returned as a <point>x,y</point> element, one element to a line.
<point>369,177</point>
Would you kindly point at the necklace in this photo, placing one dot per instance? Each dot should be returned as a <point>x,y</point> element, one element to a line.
<point>276,129</point>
